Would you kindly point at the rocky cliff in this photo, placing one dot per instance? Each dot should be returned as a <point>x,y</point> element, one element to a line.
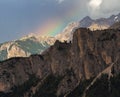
<point>61,69</point>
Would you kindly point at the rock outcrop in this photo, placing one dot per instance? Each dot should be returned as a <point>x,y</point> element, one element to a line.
<point>63,66</point>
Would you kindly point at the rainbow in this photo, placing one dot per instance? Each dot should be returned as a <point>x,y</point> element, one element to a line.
<point>52,27</point>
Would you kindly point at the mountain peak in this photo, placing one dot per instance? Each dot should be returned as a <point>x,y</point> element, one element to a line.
<point>86,22</point>
<point>87,18</point>
<point>99,24</point>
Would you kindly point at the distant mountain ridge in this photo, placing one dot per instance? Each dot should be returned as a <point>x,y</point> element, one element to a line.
<point>25,46</point>
<point>99,24</point>
<point>36,44</point>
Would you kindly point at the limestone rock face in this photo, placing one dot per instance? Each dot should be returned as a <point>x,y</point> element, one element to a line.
<point>88,54</point>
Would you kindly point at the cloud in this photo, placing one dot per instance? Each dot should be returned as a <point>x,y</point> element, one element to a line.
<point>95,4</point>
<point>94,7</point>
<point>102,8</point>
<point>110,5</point>
<point>60,1</point>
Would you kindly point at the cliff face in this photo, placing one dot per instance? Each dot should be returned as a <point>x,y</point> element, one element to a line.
<point>88,54</point>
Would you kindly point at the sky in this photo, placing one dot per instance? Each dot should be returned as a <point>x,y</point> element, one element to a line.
<point>48,17</point>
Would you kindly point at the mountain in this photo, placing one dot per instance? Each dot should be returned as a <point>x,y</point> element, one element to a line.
<point>86,22</point>
<point>86,67</point>
<point>67,33</point>
<point>115,26</point>
<point>24,47</point>
<point>35,44</point>
<point>98,24</point>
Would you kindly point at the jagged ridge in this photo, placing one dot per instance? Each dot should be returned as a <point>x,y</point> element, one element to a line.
<point>90,53</point>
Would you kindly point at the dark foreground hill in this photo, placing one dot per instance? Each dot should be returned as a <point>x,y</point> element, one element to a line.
<point>88,66</point>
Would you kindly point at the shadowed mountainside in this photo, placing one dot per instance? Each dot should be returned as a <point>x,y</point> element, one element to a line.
<point>63,68</point>
<point>115,26</point>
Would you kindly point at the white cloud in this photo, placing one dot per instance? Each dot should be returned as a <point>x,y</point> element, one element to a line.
<point>101,8</point>
<point>94,7</point>
<point>94,4</point>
